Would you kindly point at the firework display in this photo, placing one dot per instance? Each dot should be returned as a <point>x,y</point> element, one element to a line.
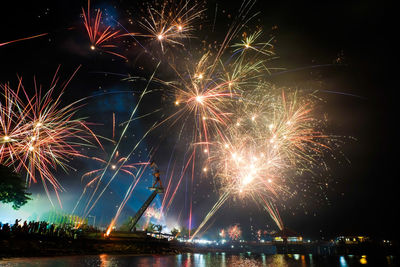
<point>38,135</point>
<point>100,36</point>
<point>234,232</point>
<point>169,24</point>
<point>254,140</point>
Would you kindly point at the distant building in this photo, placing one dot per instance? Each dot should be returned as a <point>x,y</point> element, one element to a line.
<point>351,239</point>
<point>287,235</point>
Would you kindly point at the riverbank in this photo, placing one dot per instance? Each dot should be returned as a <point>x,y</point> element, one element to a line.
<point>54,246</point>
<point>135,244</point>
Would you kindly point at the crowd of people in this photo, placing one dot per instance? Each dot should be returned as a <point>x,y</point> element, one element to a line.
<point>44,228</point>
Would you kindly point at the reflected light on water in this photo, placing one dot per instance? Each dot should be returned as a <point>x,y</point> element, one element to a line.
<point>188,261</point>
<point>389,260</point>
<point>263,259</point>
<point>179,259</point>
<point>363,259</point>
<point>103,260</point>
<point>303,261</point>
<point>223,262</point>
<point>343,262</point>
<point>199,260</point>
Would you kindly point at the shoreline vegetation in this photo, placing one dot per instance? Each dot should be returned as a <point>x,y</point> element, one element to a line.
<point>55,246</point>
<point>44,239</point>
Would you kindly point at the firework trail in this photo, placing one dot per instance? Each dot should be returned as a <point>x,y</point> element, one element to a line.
<point>214,209</point>
<point>125,199</point>
<point>118,169</point>
<point>116,163</point>
<point>99,180</point>
<point>13,127</point>
<point>23,39</point>
<point>271,208</point>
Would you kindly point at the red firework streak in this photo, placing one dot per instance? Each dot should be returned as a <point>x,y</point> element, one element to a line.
<point>99,35</point>
<point>179,182</point>
<point>23,39</point>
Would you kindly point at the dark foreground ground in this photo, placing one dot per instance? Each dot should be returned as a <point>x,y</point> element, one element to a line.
<point>39,246</point>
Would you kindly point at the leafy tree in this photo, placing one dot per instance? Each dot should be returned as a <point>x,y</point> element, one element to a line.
<point>184,232</point>
<point>12,188</point>
<point>175,232</point>
<point>151,227</point>
<point>158,228</point>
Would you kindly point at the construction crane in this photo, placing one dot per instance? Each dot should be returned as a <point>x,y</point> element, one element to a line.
<point>157,190</point>
<point>145,205</point>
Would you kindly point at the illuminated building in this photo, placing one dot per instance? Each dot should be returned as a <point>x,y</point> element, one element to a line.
<point>287,235</point>
<point>352,239</point>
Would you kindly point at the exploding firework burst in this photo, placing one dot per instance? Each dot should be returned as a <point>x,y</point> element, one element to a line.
<point>222,233</point>
<point>169,23</point>
<point>234,232</point>
<point>100,36</point>
<point>206,94</point>
<point>38,134</point>
<point>153,212</point>
<point>117,162</point>
<point>271,136</point>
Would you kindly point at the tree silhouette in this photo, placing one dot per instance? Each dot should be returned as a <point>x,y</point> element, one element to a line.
<point>12,188</point>
<point>151,227</point>
<point>175,232</point>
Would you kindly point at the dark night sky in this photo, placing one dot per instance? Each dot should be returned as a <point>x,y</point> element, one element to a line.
<point>363,197</point>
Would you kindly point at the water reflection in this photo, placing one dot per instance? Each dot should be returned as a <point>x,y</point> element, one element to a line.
<point>204,260</point>
<point>343,262</point>
<point>199,260</point>
<point>263,259</point>
<point>390,260</point>
<point>103,260</point>
<point>187,261</point>
<point>303,261</point>
<point>223,262</point>
<point>363,259</point>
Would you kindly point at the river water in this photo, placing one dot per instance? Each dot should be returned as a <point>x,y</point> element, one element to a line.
<point>203,260</point>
